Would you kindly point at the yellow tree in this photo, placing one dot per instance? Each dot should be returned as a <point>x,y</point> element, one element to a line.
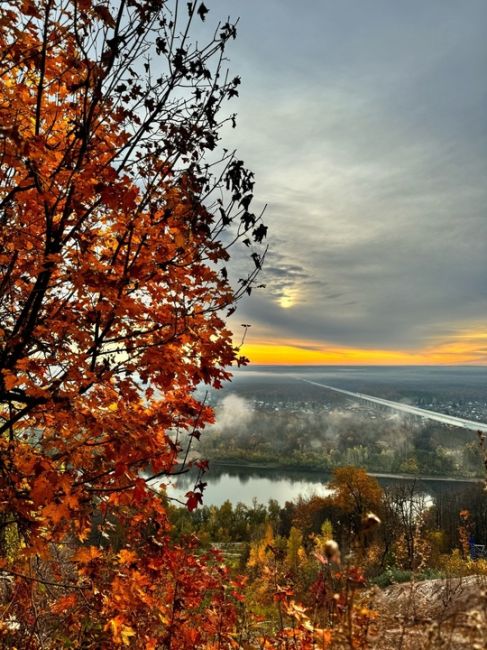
<point>359,497</point>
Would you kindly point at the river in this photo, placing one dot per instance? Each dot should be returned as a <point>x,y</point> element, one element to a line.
<point>246,484</point>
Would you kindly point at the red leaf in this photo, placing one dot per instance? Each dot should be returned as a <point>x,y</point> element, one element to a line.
<point>194,499</point>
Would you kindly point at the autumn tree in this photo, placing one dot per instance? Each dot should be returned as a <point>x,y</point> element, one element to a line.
<point>116,219</point>
<point>357,495</point>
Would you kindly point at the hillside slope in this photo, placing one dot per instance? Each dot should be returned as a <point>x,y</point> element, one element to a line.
<point>449,614</point>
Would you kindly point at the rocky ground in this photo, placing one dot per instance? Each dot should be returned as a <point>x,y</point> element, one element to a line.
<point>450,614</point>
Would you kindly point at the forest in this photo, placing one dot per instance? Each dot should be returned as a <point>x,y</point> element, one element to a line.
<point>406,516</point>
<point>305,435</point>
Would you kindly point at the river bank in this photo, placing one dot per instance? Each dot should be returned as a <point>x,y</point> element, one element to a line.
<point>276,467</point>
<point>249,482</point>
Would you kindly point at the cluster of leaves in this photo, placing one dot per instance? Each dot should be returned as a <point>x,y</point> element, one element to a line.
<point>114,235</point>
<point>302,595</point>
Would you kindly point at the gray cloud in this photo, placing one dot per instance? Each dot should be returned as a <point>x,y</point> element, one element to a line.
<point>365,125</point>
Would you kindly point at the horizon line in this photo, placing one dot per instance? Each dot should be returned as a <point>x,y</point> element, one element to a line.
<point>369,365</point>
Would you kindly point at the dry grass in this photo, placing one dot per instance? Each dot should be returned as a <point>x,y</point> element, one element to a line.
<point>450,614</point>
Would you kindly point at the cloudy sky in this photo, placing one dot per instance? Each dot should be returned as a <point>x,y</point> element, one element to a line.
<point>365,122</point>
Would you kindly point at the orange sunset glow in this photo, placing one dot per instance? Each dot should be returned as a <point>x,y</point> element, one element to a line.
<point>466,348</point>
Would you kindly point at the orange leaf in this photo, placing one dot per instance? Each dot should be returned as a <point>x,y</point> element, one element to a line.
<point>127,557</point>
<point>9,380</point>
<point>64,603</point>
<point>56,512</point>
<point>87,554</point>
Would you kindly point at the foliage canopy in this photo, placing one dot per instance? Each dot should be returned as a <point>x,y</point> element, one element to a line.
<point>116,219</point>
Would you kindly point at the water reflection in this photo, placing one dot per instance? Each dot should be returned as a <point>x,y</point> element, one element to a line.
<point>246,484</point>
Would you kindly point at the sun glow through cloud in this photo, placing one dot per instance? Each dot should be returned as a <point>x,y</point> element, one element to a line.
<point>286,301</point>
